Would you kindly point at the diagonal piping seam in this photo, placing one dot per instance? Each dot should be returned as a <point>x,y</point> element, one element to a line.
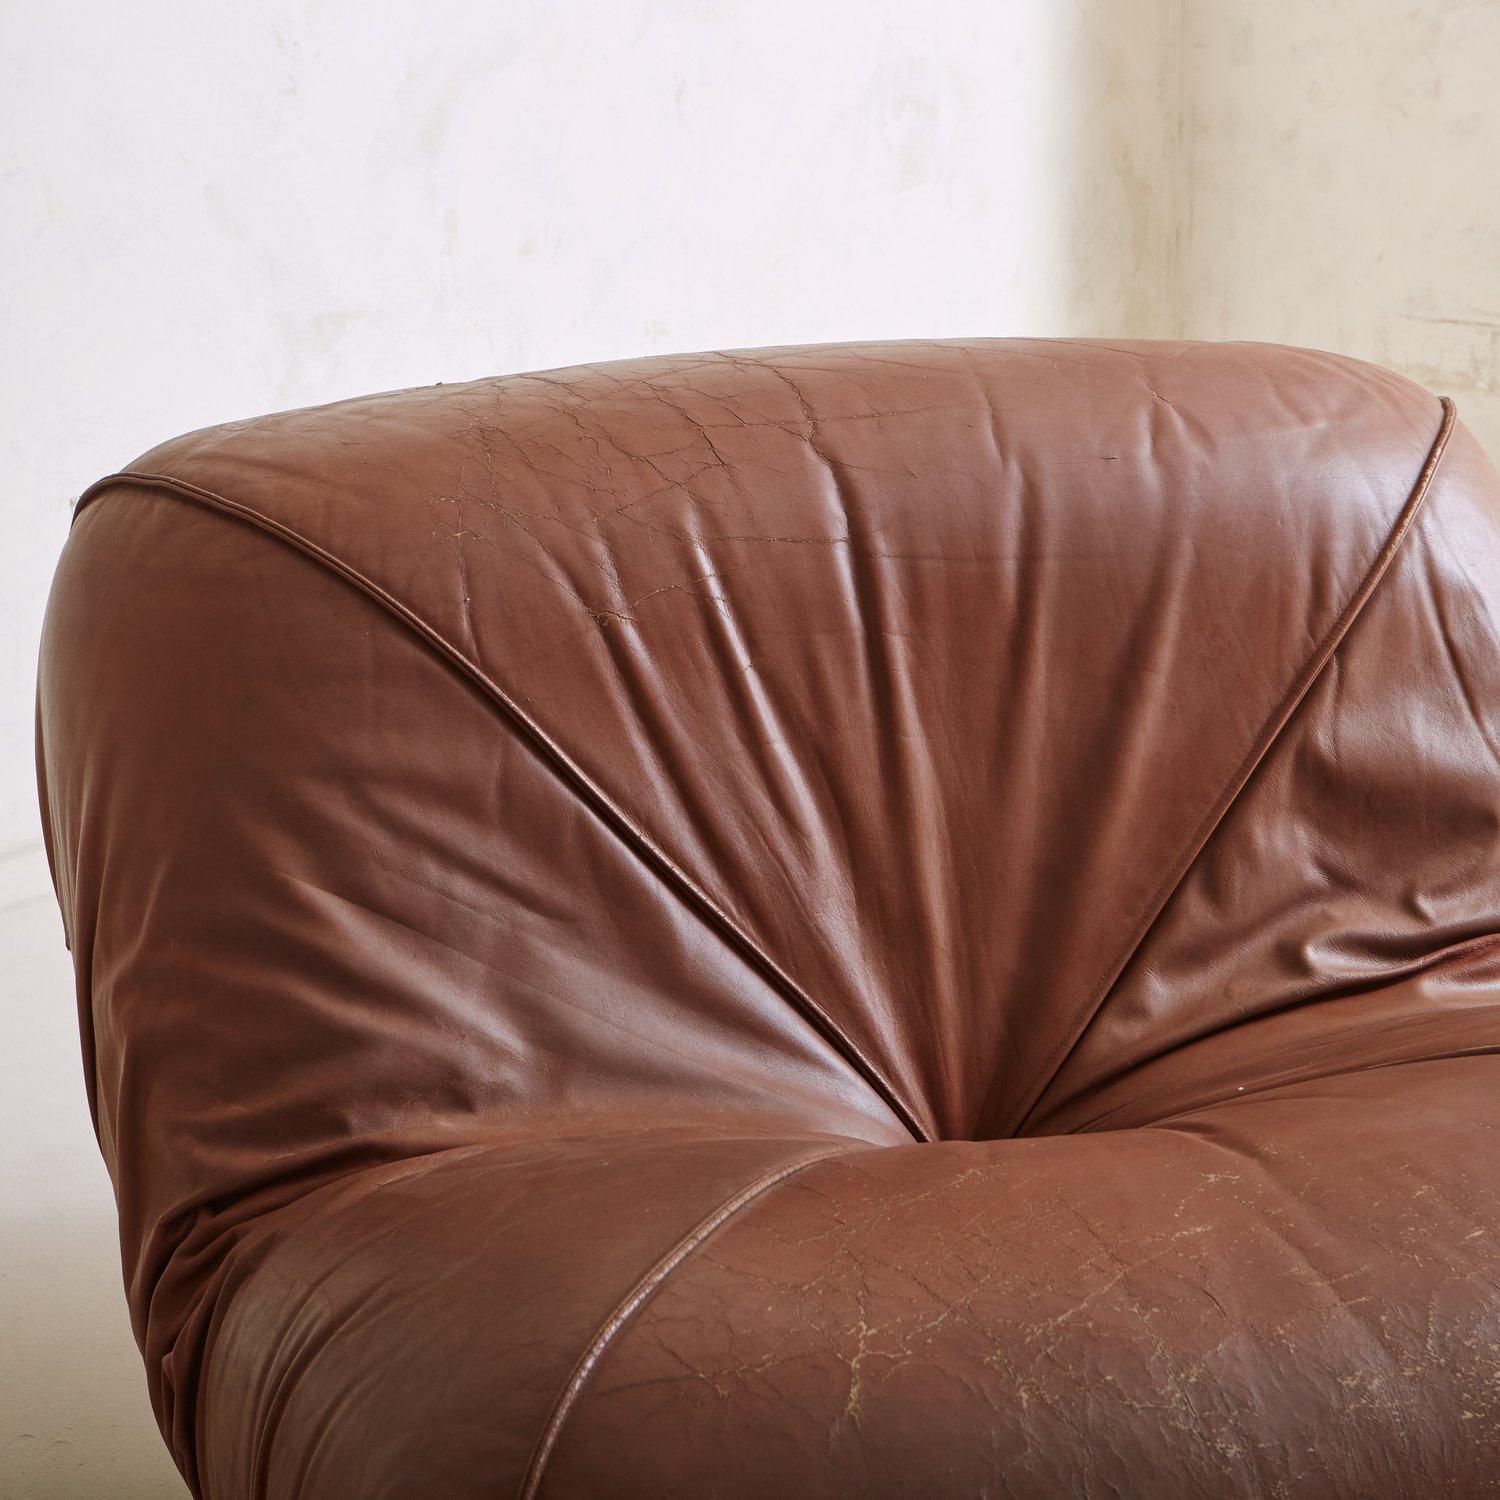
<point>1270,732</point>
<point>567,770</point>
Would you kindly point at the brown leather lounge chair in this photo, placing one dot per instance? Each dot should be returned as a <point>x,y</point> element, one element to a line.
<point>902,920</point>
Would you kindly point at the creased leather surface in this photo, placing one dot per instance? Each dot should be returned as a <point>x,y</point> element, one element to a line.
<point>1345,914</point>
<point>1280,1296</point>
<point>503,827</point>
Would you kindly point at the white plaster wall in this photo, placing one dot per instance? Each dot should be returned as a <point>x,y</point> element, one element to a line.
<point>208,211</point>
<point>1341,170</point>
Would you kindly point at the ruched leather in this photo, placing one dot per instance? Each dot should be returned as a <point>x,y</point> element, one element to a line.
<point>896,920</point>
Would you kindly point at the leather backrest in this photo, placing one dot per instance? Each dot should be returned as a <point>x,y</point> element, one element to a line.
<point>853,732</point>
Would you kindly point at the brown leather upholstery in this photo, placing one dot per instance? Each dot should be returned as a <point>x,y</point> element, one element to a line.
<point>892,920</point>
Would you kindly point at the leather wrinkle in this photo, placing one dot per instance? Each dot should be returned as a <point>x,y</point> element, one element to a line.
<point>642,1292</point>
<point>579,783</point>
<point>1269,732</point>
<point>1457,955</point>
<point>1323,1075</point>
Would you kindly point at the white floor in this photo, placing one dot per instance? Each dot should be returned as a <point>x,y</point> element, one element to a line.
<point>74,1419</point>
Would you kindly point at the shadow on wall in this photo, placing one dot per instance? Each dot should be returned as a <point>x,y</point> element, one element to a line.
<point>1340,170</point>
<point>1118,163</point>
<point>1321,175</point>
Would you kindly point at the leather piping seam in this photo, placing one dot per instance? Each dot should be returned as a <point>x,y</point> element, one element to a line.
<point>1260,747</point>
<point>635,1299</point>
<point>564,767</point>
